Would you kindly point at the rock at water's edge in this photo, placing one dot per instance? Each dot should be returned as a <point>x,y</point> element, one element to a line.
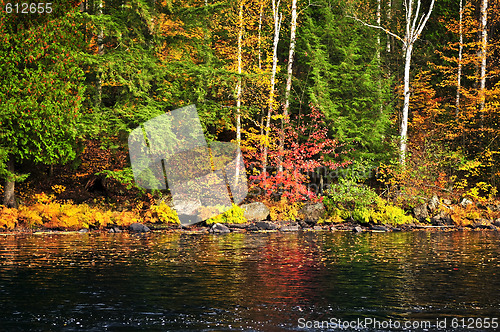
<point>138,228</point>
<point>420,212</point>
<point>312,212</point>
<point>186,207</point>
<point>290,228</point>
<point>219,229</point>
<point>256,211</point>
<point>358,229</point>
<point>266,225</point>
<point>433,203</point>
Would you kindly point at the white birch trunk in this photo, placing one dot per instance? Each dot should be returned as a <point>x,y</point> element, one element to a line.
<point>238,92</point>
<point>289,76</point>
<point>406,105</point>
<point>100,52</point>
<point>415,23</point>
<point>484,44</point>
<point>260,34</point>
<point>9,195</point>
<point>277,16</point>
<point>293,28</point>
<point>379,47</point>
<point>460,52</point>
<point>379,9</point>
<point>389,18</point>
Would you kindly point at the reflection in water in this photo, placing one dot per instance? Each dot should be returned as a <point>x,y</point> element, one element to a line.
<point>254,282</point>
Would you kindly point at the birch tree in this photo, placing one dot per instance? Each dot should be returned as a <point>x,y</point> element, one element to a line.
<point>482,57</point>
<point>288,88</point>
<point>277,17</point>
<point>415,21</point>
<point>460,53</point>
<point>100,52</point>
<point>238,88</point>
<point>389,18</point>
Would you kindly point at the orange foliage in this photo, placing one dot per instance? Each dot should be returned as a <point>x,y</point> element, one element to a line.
<point>8,217</point>
<point>47,213</point>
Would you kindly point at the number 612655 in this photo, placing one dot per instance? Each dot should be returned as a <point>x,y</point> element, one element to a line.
<point>28,8</point>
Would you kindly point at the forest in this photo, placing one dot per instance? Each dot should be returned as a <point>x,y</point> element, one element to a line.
<point>375,108</point>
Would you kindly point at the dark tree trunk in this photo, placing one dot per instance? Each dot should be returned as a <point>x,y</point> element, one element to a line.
<point>9,198</point>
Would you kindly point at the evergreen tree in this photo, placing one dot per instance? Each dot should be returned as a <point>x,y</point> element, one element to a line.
<point>342,76</point>
<point>121,66</point>
<point>41,89</point>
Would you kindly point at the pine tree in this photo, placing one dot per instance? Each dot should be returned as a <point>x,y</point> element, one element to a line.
<point>342,76</point>
<point>40,92</point>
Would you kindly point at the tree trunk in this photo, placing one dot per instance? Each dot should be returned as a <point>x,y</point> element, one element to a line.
<point>277,26</point>
<point>484,44</point>
<point>261,10</point>
<point>389,18</point>
<point>379,9</point>
<point>293,28</point>
<point>379,62</point>
<point>406,105</point>
<point>460,51</point>
<point>415,23</point>
<point>9,198</point>
<point>238,92</point>
<point>100,52</point>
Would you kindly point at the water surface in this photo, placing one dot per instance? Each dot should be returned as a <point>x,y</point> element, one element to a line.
<point>249,282</point>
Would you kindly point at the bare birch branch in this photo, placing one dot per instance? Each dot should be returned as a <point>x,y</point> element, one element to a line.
<point>378,27</point>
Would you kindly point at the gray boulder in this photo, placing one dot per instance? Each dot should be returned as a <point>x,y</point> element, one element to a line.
<point>483,224</point>
<point>256,211</point>
<point>266,225</point>
<point>358,229</point>
<point>290,228</point>
<point>420,212</point>
<point>219,229</point>
<point>115,230</point>
<point>433,203</point>
<point>379,228</point>
<point>312,212</point>
<point>138,228</point>
<point>442,219</point>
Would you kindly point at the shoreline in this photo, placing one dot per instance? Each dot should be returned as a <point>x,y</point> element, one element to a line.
<point>257,227</point>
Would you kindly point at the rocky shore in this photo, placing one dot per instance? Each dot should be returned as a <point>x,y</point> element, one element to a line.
<point>435,215</point>
<point>273,226</point>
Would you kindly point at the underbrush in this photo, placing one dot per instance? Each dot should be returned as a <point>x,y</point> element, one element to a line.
<point>47,213</point>
<point>235,215</point>
<point>349,200</point>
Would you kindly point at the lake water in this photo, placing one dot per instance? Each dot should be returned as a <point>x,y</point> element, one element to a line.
<point>249,282</point>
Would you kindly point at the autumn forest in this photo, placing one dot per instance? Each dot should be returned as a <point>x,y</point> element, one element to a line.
<point>374,108</point>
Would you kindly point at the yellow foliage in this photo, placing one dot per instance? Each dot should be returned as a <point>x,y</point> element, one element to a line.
<point>49,214</point>
<point>285,211</point>
<point>30,217</point>
<point>8,217</point>
<point>335,218</point>
<point>164,213</point>
<point>125,218</point>
<point>235,215</point>
<point>387,213</point>
<point>58,188</point>
<point>482,192</point>
<point>43,198</point>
